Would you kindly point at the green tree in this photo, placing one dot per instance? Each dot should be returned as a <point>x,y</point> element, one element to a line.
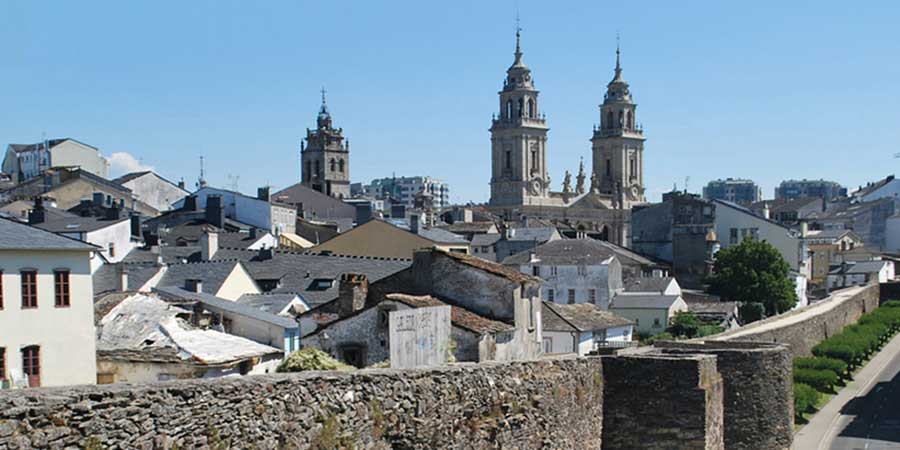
<point>684,324</point>
<point>753,272</point>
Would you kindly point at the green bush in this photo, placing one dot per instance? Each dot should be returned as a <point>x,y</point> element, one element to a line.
<point>805,398</point>
<point>309,358</point>
<point>891,304</point>
<point>821,380</point>
<point>751,312</point>
<point>818,363</point>
<point>664,336</point>
<point>709,330</point>
<point>684,324</point>
<point>838,350</point>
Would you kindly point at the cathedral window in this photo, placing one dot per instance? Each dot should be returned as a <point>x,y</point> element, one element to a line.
<point>508,163</point>
<point>609,119</point>
<point>534,159</point>
<point>341,165</point>
<point>331,164</point>
<point>509,109</point>
<point>521,108</point>
<point>318,172</point>
<point>608,167</point>
<point>621,120</point>
<point>629,120</point>
<point>530,108</point>
<point>632,167</point>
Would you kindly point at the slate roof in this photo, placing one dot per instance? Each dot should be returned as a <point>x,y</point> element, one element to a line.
<point>579,317</point>
<point>18,236</point>
<point>298,270</point>
<point>785,204</point>
<point>271,303</point>
<point>442,236</point>
<point>564,252</point>
<point>212,273</point>
<point>170,255</point>
<point>862,267</point>
<point>191,232</point>
<point>469,227</point>
<point>106,276</point>
<point>19,148</point>
<point>77,224</point>
<point>459,316</point>
<point>655,284</point>
<point>868,189</point>
<point>641,301</point>
<point>15,210</point>
<point>542,234</point>
<point>239,308</point>
<point>481,240</point>
<point>130,176</point>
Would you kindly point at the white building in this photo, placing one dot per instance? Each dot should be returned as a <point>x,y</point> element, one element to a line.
<point>46,308</point>
<point>886,188</point>
<point>573,271</point>
<point>26,161</point>
<point>153,189</point>
<point>113,236</point>
<point>403,190</point>
<point>583,328</point>
<point>651,313</point>
<point>861,273</point>
<point>257,211</point>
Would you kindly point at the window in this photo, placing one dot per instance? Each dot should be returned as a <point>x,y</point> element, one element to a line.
<point>112,250</point>
<point>608,167</point>
<point>553,270</point>
<point>536,270</point>
<point>534,159</point>
<point>733,236</point>
<point>656,322</point>
<point>593,295</point>
<point>2,363</point>
<point>29,289</point>
<point>521,108</point>
<point>530,108</point>
<point>632,167</point>
<point>61,288</point>
<point>609,119</point>
<point>31,365</point>
<point>509,109</point>
<point>341,165</point>
<point>571,296</point>
<point>508,160</point>
<point>548,345</point>
<point>550,295</point>
<point>331,164</point>
<point>582,270</point>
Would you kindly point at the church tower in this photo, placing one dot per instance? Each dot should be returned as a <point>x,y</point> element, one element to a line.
<point>519,141</point>
<point>325,159</point>
<point>618,145</point>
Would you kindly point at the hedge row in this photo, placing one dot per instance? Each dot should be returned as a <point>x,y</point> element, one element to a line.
<point>805,398</point>
<point>819,363</point>
<point>856,342</point>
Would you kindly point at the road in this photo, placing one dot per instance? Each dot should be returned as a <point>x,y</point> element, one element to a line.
<point>863,416</point>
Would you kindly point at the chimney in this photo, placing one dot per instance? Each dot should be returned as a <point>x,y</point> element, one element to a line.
<point>215,215</point>
<point>111,213</point>
<point>765,211</point>
<point>804,228</point>
<point>121,277</point>
<point>136,225</point>
<point>181,184</point>
<point>414,223</point>
<point>352,292</point>
<point>193,285</point>
<point>263,193</point>
<point>253,232</point>
<point>190,203</point>
<point>265,254</point>
<point>37,215</point>
<point>98,199</point>
<point>209,243</point>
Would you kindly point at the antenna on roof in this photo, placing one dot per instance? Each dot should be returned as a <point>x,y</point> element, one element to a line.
<point>233,181</point>
<point>201,182</point>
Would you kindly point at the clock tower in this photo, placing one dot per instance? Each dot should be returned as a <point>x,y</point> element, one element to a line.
<point>618,145</point>
<point>519,141</point>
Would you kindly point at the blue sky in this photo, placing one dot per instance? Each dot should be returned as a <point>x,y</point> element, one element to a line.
<point>769,92</point>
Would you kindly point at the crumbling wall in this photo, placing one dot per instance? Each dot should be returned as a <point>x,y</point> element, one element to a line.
<point>805,327</point>
<point>540,404</point>
<point>758,391</point>
<point>656,402</point>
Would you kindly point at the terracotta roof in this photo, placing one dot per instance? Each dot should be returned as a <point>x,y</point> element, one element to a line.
<point>491,267</point>
<point>460,317</point>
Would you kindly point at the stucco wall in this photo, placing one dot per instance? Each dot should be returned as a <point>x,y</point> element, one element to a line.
<point>540,404</point>
<point>71,153</point>
<point>775,234</point>
<point>156,192</point>
<point>65,335</point>
<point>238,283</point>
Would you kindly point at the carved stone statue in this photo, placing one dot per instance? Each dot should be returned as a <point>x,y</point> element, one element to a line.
<point>595,183</point>
<point>567,183</point>
<point>579,186</point>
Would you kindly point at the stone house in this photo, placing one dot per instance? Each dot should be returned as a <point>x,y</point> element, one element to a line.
<point>46,308</point>
<point>517,240</point>
<point>26,161</point>
<point>826,248</point>
<point>362,339</point>
<point>484,246</point>
<point>582,328</point>
<point>860,273</point>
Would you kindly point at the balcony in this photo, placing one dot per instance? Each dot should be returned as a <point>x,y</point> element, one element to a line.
<point>519,121</point>
<point>612,132</point>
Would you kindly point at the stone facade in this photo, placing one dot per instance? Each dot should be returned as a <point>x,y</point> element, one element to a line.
<point>803,328</point>
<point>758,391</point>
<point>325,158</point>
<point>653,402</point>
<point>547,404</point>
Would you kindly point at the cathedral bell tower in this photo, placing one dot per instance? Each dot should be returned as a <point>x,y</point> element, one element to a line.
<point>518,141</point>
<point>325,159</point>
<point>618,145</point>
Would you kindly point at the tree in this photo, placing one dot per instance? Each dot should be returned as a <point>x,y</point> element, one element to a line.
<point>684,324</point>
<point>753,272</point>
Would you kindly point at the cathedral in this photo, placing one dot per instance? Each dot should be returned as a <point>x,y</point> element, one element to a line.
<point>325,157</point>
<point>599,204</point>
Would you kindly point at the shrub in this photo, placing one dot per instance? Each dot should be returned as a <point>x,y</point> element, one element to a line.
<point>821,380</point>
<point>684,324</point>
<point>805,398</point>
<point>709,330</point>
<point>838,350</point>
<point>891,304</point>
<point>664,336</point>
<point>751,312</point>
<point>818,363</point>
<point>309,358</point>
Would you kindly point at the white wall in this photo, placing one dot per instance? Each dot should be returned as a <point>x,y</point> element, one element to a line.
<point>66,336</point>
<point>582,279</point>
<point>238,283</point>
<point>250,210</point>
<point>71,153</point>
<point>154,191</point>
<point>119,235</point>
<point>892,235</point>
<point>891,189</point>
<point>792,248</point>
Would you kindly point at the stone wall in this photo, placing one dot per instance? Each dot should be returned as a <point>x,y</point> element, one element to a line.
<point>758,391</point>
<point>540,404</point>
<point>661,403</point>
<point>805,327</point>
